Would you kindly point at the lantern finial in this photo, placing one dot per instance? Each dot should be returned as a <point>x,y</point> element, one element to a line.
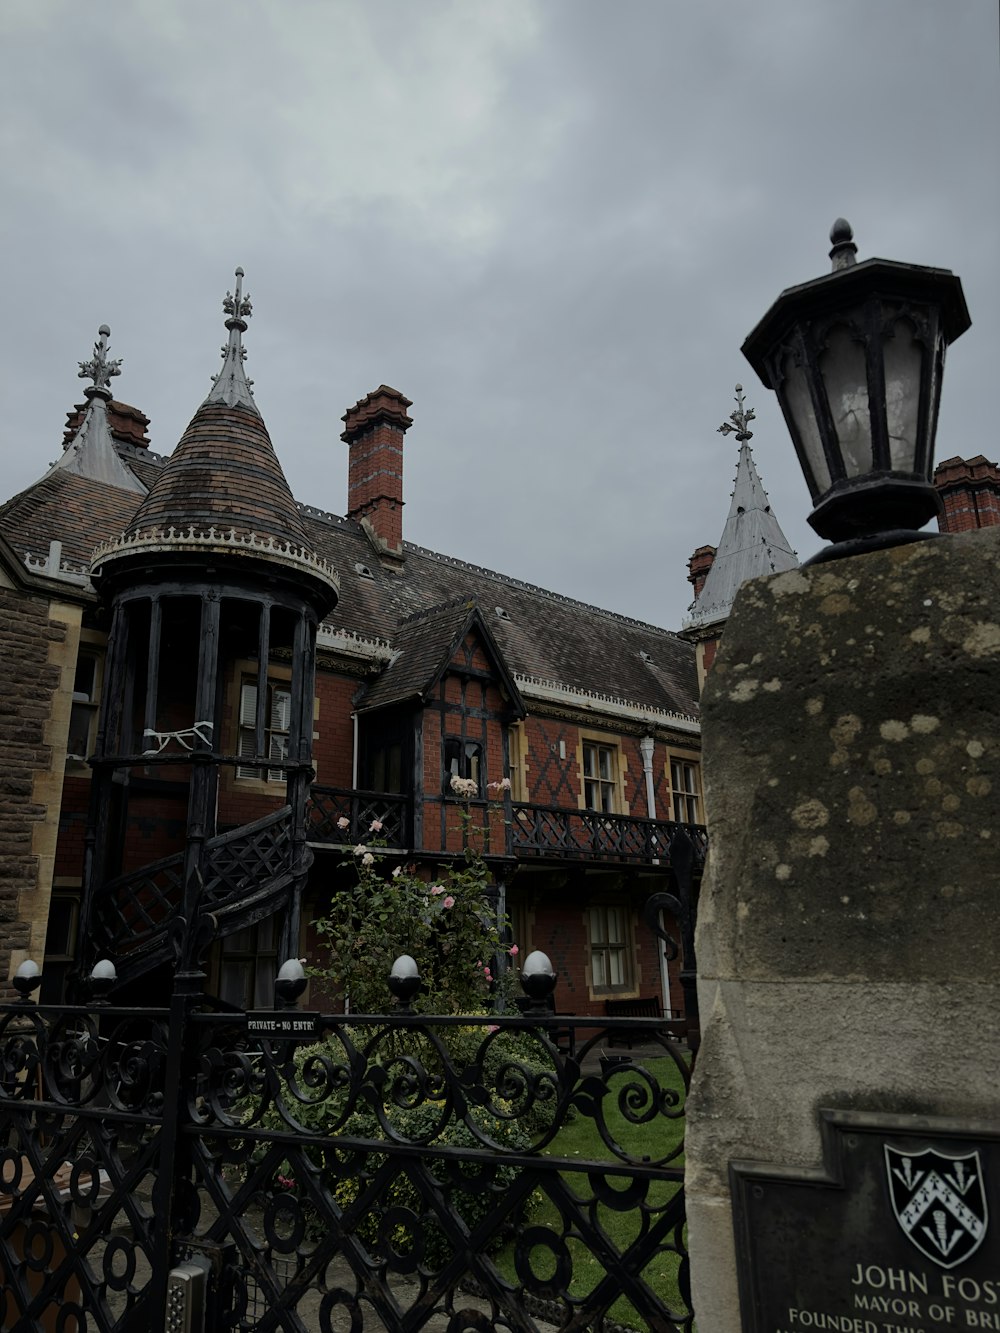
<point>844,249</point>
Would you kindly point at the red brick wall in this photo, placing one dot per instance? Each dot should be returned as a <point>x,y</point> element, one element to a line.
<point>552,780</point>
<point>333,749</point>
<point>559,927</point>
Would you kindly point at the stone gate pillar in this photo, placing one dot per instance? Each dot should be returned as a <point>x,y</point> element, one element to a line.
<point>849,929</point>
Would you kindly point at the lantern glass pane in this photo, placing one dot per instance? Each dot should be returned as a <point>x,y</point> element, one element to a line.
<point>902,354</point>
<point>845,377</point>
<point>798,401</point>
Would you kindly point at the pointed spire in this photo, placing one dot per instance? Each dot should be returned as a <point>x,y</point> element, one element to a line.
<point>231,385</point>
<point>91,452</point>
<point>752,543</point>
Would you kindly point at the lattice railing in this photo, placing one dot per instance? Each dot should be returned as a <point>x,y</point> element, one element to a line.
<point>244,859</point>
<point>345,815</point>
<point>134,910</point>
<point>139,905</point>
<point>541,830</point>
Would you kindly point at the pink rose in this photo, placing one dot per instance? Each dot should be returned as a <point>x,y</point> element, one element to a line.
<point>513,951</point>
<point>375,826</point>
<point>438,888</point>
<point>342,822</point>
<point>449,901</point>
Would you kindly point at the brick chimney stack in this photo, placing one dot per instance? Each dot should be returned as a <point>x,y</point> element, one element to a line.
<point>374,430</point>
<point>970,492</point>
<point>698,567</point>
<point>125,422</point>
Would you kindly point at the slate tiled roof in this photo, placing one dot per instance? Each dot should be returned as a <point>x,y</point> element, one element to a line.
<point>545,637</point>
<point>67,508</point>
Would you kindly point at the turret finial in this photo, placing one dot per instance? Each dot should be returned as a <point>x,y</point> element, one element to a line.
<point>741,418</point>
<point>100,368</point>
<point>844,249</point>
<point>231,385</point>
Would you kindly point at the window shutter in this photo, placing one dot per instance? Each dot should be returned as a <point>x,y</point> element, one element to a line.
<point>278,750</point>
<point>281,709</point>
<point>248,706</point>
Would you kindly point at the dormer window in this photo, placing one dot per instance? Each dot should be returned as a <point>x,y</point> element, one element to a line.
<point>502,614</point>
<point>363,571</point>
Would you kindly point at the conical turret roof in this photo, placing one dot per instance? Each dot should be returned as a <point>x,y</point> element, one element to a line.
<point>223,487</point>
<point>223,473</point>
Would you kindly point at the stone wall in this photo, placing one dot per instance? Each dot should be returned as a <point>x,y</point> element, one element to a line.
<point>850,918</point>
<point>40,639</point>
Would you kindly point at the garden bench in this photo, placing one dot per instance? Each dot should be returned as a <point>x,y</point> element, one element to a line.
<point>639,1006</point>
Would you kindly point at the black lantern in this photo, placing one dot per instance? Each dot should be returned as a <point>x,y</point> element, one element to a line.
<point>856,359</point>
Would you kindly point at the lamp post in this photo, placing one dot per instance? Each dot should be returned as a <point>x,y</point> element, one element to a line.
<point>856,359</point>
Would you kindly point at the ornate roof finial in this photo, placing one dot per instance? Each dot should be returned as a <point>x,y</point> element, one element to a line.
<point>100,368</point>
<point>231,385</point>
<point>844,249</point>
<point>740,419</point>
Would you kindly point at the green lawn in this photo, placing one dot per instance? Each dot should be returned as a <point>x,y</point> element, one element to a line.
<point>581,1139</point>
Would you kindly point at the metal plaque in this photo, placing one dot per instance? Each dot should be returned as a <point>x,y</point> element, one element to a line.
<point>898,1233</point>
<point>282,1024</point>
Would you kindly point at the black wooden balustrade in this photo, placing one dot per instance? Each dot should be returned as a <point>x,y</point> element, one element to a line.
<point>345,815</point>
<point>548,831</point>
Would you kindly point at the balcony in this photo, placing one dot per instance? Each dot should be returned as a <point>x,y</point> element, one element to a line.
<point>588,835</point>
<point>340,815</point>
<point>345,815</point>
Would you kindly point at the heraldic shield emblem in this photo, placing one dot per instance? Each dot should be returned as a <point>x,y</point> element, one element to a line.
<point>939,1202</point>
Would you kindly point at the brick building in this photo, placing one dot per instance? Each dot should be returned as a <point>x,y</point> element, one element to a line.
<point>153,767</point>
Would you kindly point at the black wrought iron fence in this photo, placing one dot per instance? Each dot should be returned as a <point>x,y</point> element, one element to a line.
<point>327,1172</point>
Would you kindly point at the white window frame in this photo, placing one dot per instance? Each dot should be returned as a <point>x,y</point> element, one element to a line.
<point>605,785</point>
<point>612,954</point>
<point>276,729</point>
<point>685,789</point>
<point>85,703</point>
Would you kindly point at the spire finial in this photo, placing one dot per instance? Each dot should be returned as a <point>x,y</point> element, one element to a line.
<point>237,307</point>
<point>100,368</point>
<point>231,385</point>
<point>844,249</point>
<point>741,418</point>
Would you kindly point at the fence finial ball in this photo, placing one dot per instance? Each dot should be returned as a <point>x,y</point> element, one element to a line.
<point>538,978</point>
<point>404,979</point>
<point>27,978</point>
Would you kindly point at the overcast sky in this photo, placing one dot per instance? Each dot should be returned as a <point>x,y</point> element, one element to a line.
<point>551,223</point>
